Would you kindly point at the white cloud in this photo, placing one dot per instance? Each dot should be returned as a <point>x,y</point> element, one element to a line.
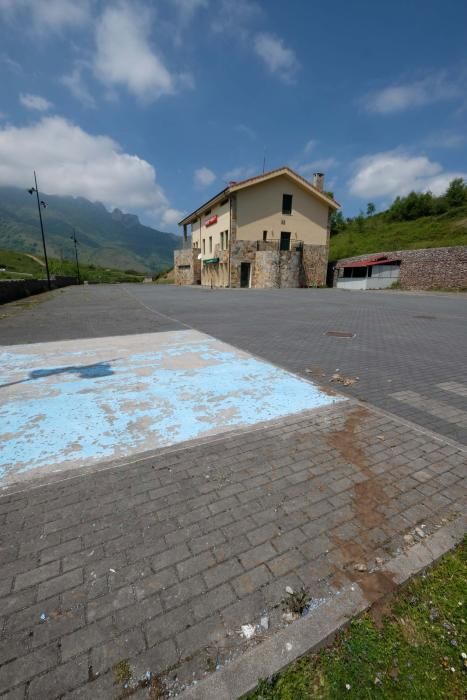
<point>171,217</point>
<point>280,60</point>
<point>235,17</point>
<point>393,173</point>
<point>243,172</point>
<point>48,15</point>
<point>72,161</point>
<point>246,131</point>
<point>398,98</point>
<point>124,55</point>
<point>74,81</point>
<point>35,102</point>
<point>187,8</point>
<point>203,177</point>
<point>310,146</point>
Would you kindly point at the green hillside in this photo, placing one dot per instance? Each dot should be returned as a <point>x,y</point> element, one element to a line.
<point>106,239</point>
<point>415,221</point>
<point>14,265</point>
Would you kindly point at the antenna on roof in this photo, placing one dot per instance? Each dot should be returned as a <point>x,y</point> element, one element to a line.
<point>264,161</point>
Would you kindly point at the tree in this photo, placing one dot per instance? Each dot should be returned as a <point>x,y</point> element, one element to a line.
<point>456,193</point>
<point>370,209</point>
<point>337,223</point>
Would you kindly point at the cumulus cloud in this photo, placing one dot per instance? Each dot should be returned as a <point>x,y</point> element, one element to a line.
<point>171,217</point>
<point>203,177</point>
<point>398,98</point>
<point>124,55</point>
<point>35,102</point>
<point>393,173</point>
<point>280,60</point>
<point>72,161</point>
<point>48,15</point>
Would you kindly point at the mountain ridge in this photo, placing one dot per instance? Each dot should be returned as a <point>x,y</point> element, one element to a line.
<point>107,238</point>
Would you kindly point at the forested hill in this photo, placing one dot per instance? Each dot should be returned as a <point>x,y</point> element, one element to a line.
<point>419,220</point>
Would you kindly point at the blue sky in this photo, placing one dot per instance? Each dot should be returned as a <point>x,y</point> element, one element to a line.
<point>153,106</point>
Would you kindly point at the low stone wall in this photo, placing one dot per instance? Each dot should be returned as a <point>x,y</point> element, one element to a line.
<point>426,268</point>
<point>187,267</point>
<point>11,290</point>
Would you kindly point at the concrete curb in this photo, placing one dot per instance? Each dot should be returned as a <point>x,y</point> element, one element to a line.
<point>314,631</point>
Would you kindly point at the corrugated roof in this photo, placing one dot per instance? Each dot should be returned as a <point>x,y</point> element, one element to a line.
<point>367,263</point>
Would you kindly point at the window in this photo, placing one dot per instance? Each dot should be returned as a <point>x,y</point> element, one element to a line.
<point>207,212</point>
<point>265,235</point>
<point>222,240</point>
<point>226,240</point>
<point>286,203</point>
<point>210,244</point>
<point>204,246</point>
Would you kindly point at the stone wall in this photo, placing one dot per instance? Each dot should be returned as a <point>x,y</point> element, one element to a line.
<point>11,290</point>
<point>187,267</point>
<point>315,265</point>
<point>426,268</point>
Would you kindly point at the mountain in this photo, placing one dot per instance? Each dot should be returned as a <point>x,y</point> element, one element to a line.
<point>109,239</point>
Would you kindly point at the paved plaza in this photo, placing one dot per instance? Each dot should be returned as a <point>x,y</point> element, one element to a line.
<point>152,557</point>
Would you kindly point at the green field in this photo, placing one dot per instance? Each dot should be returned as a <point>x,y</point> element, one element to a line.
<point>414,647</point>
<point>22,266</point>
<point>377,233</point>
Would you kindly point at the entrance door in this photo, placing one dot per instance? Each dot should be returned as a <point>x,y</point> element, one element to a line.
<point>244,274</point>
<point>285,240</point>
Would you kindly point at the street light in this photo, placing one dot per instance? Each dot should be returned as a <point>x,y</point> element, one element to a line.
<point>41,203</point>
<point>73,238</point>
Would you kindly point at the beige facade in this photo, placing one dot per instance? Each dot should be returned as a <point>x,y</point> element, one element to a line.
<point>259,211</point>
<point>249,234</point>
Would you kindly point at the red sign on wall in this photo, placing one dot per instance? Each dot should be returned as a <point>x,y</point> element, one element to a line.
<point>212,220</point>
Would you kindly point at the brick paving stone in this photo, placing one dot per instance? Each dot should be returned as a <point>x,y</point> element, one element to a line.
<point>159,585</point>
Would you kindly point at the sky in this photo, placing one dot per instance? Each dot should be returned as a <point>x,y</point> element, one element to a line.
<point>154,106</point>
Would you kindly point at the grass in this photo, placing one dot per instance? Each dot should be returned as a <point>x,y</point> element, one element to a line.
<point>21,266</point>
<point>413,651</point>
<point>377,234</point>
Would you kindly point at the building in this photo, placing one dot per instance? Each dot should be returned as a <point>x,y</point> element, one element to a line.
<point>370,273</point>
<point>422,268</point>
<point>268,231</point>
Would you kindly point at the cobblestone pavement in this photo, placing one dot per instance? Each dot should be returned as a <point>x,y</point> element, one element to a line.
<point>403,342</point>
<point>158,563</point>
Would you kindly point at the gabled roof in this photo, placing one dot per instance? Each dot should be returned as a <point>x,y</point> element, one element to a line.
<point>264,177</point>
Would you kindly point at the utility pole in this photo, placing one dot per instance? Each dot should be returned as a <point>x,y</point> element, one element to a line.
<point>39,203</point>
<point>73,238</point>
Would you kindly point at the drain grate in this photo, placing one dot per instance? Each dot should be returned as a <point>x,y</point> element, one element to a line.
<point>340,334</point>
<point>427,317</point>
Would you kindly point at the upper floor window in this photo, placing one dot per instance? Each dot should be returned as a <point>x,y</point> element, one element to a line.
<point>286,203</point>
<point>207,212</point>
<point>265,235</point>
<point>226,240</point>
<point>210,244</point>
<point>204,246</point>
<point>222,240</point>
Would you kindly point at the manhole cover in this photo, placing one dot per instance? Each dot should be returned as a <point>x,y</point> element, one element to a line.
<point>428,317</point>
<point>340,334</point>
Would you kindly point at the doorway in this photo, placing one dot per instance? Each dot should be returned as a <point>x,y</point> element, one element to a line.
<point>245,269</point>
<point>285,240</point>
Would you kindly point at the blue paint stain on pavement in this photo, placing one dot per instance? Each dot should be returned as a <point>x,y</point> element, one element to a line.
<point>138,399</point>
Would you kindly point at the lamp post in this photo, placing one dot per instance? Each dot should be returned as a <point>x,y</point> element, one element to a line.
<point>40,203</point>
<point>73,238</point>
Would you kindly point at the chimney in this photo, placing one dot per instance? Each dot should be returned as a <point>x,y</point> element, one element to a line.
<point>318,181</point>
